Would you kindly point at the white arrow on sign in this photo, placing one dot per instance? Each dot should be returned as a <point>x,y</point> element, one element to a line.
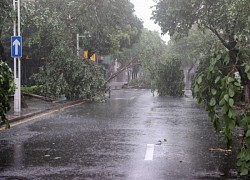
<point>16,43</point>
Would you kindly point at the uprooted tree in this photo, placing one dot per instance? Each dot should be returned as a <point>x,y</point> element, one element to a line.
<point>229,21</point>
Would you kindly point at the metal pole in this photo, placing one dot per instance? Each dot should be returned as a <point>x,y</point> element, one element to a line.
<point>19,59</point>
<point>17,79</point>
<point>14,33</point>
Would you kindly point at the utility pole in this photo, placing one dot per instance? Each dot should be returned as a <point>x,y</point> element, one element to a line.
<point>16,47</point>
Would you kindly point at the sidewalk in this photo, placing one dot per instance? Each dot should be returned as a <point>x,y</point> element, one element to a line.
<point>35,107</point>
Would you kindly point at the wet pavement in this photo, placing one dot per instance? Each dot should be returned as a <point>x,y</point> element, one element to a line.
<point>33,106</point>
<point>132,136</point>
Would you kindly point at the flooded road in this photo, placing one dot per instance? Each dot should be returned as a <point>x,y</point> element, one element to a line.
<point>132,136</point>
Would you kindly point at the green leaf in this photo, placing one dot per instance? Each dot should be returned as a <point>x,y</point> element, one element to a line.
<point>213,91</point>
<point>199,80</point>
<point>244,172</point>
<point>248,75</point>
<point>248,133</point>
<point>247,68</point>
<point>231,113</point>
<point>218,57</point>
<point>199,100</point>
<point>231,102</point>
<point>196,88</point>
<point>217,79</point>
<point>226,97</point>
<point>212,102</point>
<point>247,157</point>
<point>229,80</point>
<point>227,59</point>
<point>216,124</point>
<point>222,102</point>
<point>240,155</point>
<point>213,61</point>
<point>225,108</point>
<point>209,76</point>
<point>231,92</point>
<point>237,84</point>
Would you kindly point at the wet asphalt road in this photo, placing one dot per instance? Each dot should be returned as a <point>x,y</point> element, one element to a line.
<point>109,141</point>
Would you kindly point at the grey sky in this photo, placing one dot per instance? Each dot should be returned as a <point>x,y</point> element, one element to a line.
<point>144,12</point>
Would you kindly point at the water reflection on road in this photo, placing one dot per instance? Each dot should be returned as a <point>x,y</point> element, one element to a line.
<point>109,140</point>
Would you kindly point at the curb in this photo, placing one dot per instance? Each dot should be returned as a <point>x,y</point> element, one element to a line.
<point>59,106</point>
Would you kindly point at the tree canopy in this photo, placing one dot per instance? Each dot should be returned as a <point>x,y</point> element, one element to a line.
<point>49,29</point>
<point>162,73</point>
<point>229,21</point>
<point>106,26</point>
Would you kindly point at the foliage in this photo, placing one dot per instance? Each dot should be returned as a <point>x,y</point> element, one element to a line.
<point>105,26</point>
<point>65,74</point>
<point>31,89</point>
<point>156,66</point>
<point>193,48</point>
<point>227,20</point>
<point>217,84</point>
<point>141,82</point>
<point>169,77</point>
<point>5,20</point>
<point>49,29</point>
<point>149,46</point>
<point>6,13</point>
<point>146,52</point>
<point>7,88</point>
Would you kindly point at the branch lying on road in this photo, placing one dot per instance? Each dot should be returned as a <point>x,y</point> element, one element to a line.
<point>39,97</point>
<point>220,150</point>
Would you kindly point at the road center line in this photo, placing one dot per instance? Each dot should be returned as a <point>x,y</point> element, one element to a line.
<point>149,152</point>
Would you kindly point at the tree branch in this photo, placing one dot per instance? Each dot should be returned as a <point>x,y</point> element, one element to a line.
<point>220,38</point>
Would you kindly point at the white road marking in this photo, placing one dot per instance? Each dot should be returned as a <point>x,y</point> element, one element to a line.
<point>149,152</point>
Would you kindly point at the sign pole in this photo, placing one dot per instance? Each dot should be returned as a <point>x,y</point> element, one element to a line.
<point>19,59</point>
<point>17,69</point>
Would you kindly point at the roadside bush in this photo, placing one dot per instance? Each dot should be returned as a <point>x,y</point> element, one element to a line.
<point>7,88</point>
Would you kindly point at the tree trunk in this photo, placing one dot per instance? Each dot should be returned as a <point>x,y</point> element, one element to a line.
<point>247,93</point>
<point>2,53</point>
<point>245,82</point>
